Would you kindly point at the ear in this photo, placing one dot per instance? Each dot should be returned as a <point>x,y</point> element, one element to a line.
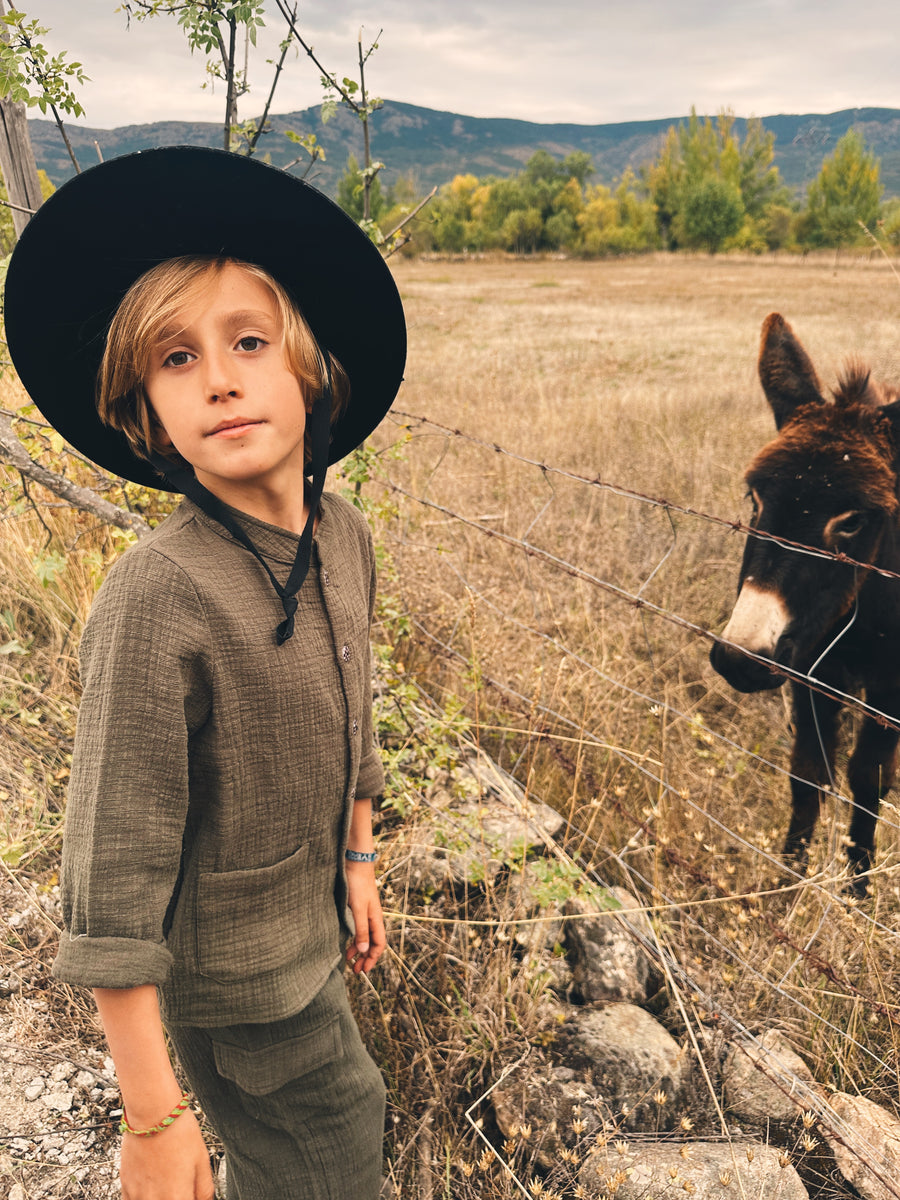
<point>788,377</point>
<point>892,413</point>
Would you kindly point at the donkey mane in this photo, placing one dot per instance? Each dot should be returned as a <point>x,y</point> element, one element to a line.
<point>856,386</point>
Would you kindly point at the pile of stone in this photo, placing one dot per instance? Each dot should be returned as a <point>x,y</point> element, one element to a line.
<point>610,1101</point>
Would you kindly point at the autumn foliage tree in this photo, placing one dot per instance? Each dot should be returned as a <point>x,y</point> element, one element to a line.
<point>711,189</point>
<point>844,197</point>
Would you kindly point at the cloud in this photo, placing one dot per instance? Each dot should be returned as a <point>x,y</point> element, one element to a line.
<point>571,60</point>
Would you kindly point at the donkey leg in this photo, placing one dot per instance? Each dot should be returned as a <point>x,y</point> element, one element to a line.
<point>870,774</point>
<point>812,764</point>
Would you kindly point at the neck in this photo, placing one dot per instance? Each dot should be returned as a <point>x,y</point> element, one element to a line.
<point>285,507</point>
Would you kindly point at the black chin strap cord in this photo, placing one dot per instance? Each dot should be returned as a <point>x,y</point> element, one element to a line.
<point>319,436</point>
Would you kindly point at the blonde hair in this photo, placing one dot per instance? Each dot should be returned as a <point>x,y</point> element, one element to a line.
<point>152,304</point>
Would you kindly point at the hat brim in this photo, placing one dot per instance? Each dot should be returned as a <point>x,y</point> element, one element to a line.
<point>103,229</point>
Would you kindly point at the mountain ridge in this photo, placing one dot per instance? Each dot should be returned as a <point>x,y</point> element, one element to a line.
<point>434,145</point>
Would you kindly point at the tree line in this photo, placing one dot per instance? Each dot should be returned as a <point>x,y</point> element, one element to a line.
<point>707,189</point>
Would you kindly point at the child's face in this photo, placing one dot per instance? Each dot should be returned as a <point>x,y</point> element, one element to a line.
<point>220,387</point>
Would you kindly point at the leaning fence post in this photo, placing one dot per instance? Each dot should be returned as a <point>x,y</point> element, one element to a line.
<point>17,163</point>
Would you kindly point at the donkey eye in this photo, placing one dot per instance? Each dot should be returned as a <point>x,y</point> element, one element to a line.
<point>849,524</point>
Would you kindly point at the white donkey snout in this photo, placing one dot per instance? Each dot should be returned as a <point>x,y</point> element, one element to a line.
<point>759,619</point>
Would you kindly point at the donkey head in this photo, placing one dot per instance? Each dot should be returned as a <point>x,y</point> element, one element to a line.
<point>828,481</point>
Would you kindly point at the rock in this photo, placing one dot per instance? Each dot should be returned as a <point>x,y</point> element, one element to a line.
<point>472,838</point>
<point>17,1192</point>
<point>84,1079</point>
<point>608,963</point>
<point>753,1095</point>
<point>525,898</point>
<point>62,1071</point>
<point>637,1067</point>
<point>548,1109</point>
<point>877,1133</point>
<point>35,1088</point>
<point>59,1101</point>
<point>701,1170</point>
<point>551,968</point>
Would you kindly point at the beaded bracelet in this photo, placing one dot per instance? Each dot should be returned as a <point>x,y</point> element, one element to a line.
<point>360,855</point>
<point>176,1112</point>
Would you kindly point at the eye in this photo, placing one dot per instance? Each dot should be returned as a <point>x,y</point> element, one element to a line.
<point>251,342</point>
<point>177,358</point>
<point>846,525</point>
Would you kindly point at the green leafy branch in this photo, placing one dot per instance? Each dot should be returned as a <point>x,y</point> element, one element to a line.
<point>211,27</point>
<point>30,74</point>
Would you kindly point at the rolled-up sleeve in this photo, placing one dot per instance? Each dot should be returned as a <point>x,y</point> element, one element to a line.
<point>146,674</point>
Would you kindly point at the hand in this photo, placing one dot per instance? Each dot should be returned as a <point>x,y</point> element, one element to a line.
<point>370,938</point>
<point>172,1165</point>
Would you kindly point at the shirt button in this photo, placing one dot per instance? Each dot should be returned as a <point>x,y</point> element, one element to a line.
<point>354,727</point>
<point>345,653</point>
<point>353,793</point>
<point>325,578</point>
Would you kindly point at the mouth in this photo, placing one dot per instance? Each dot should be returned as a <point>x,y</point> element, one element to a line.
<point>233,427</point>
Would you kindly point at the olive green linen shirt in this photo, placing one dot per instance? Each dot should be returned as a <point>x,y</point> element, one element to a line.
<point>215,772</point>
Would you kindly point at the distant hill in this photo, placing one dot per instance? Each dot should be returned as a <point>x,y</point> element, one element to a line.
<point>435,146</point>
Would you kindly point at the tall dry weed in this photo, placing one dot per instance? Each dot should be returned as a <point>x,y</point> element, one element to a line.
<point>640,374</point>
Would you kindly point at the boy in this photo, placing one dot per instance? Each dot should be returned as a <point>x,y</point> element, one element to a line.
<point>224,761</point>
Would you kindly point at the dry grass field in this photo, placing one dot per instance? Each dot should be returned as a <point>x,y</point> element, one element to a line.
<point>641,373</point>
<point>509,591</point>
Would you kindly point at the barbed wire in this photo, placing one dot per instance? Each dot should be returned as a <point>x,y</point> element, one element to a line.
<point>670,506</point>
<point>828,789</point>
<point>771,860</point>
<point>545,721</point>
<point>638,602</point>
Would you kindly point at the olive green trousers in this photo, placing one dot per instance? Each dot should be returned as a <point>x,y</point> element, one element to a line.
<point>297,1103</point>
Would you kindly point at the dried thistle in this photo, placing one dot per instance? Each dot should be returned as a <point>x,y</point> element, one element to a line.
<point>615,1181</point>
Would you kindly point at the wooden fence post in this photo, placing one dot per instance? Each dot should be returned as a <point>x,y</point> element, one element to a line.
<point>17,163</point>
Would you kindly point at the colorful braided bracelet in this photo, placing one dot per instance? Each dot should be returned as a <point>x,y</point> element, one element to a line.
<point>176,1112</point>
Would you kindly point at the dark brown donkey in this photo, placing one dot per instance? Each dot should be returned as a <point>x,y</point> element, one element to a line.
<point>829,480</point>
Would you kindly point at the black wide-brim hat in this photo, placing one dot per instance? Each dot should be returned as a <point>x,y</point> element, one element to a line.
<point>92,239</point>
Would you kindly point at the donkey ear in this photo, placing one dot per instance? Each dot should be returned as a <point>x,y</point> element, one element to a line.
<point>892,413</point>
<point>788,377</point>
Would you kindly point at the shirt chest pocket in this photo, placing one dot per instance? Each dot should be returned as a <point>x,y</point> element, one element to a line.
<point>255,921</point>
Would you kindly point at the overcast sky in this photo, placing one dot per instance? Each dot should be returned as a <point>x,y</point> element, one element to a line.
<point>587,61</point>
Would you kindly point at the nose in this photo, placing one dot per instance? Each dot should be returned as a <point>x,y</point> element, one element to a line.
<point>221,377</point>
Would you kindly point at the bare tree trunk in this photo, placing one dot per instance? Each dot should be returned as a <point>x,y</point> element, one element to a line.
<point>230,83</point>
<point>367,149</point>
<point>17,163</point>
